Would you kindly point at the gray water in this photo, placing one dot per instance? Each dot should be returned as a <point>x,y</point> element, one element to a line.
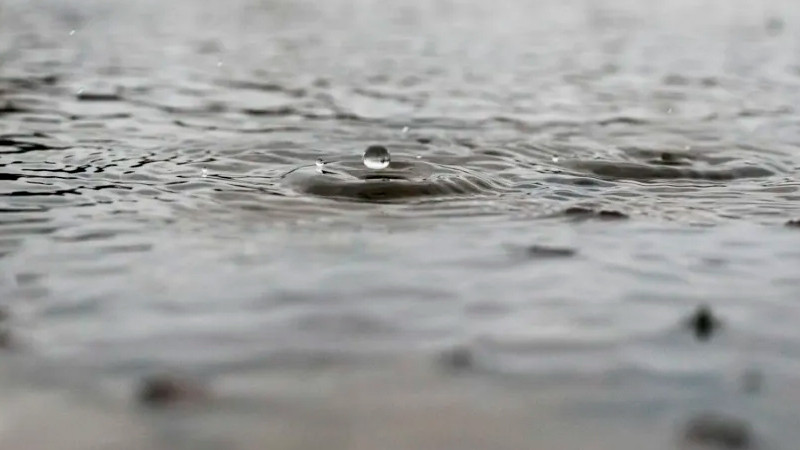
<point>569,181</point>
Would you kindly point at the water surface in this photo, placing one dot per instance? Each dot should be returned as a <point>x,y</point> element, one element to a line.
<point>569,181</point>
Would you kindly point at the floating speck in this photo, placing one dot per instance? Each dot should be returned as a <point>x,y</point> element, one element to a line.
<point>555,159</point>
<point>703,323</point>
<point>164,390</point>
<point>376,157</point>
<point>80,90</point>
<point>405,130</point>
<point>204,172</point>
<point>219,63</point>
<point>458,359</point>
<point>71,32</point>
<point>669,111</point>
<point>711,430</point>
<point>542,251</point>
<point>419,156</point>
<point>320,164</point>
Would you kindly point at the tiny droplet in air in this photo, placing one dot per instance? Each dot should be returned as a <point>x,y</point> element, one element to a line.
<point>320,164</point>
<point>204,172</point>
<point>555,159</point>
<point>219,63</point>
<point>71,32</point>
<point>376,157</point>
<point>405,130</point>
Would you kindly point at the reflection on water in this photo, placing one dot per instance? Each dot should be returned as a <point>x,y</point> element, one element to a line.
<point>573,192</point>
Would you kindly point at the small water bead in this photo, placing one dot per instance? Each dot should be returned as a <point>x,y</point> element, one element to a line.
<point>405,130</point>
<point>376,157</point>
<point>72,32</point>
<point>204,172</point>
<point>320,165</point>
<point>555,159</point>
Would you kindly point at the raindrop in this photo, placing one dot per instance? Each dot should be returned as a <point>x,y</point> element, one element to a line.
<point>419,156</point>
<point>320,164</point>
<point>405,130</point>
<point>80,91</point>
<point>669,111</point>
<point>376,157</point>
<point>71,32</point>
<point>219,63</point>
<point>204,172</point>
<point>555,159</point>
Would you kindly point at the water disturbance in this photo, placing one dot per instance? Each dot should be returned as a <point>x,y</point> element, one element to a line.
<point>419,224</point>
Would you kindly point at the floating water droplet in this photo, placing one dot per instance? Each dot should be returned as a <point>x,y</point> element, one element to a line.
<point>204,172</point>
<point>80,90</point>
<point>419,156</point>
<point>320,164</point>
<point>71,32</point>
<point>219,63</point>
<point>376,157</point>
<point>555,159</point>
<point>405,130</point>
<point>669,111</point>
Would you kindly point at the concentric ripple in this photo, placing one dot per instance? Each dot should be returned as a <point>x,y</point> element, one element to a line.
<point>349,179</point>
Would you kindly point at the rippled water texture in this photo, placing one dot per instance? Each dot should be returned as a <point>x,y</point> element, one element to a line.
<point>569,180</point>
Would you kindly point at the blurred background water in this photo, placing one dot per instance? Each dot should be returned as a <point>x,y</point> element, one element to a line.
<point>587,173</point>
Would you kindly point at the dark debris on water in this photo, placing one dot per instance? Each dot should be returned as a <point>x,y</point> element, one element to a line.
<point>6,337</point>
<point>542,251</point>
<point>718,431</point>
<point>457,359</point>
<point>588,213</point>
<point>165,390</point>
<point>793,223</point>
<point>703,323</point>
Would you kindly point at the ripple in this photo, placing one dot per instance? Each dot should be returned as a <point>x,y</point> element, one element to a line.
<point>640,171</point>
<point>349,179</point>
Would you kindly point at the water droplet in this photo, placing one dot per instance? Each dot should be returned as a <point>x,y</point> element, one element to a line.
<point>71,32</point>
<point>204,172</point>
<point>555,159</point>
<point>669,111</point>
<point>320,164</point>
<point>405,130</point>
<point>80,90</point>
<point>419,156</point>
<point>376,157</point>
<point>219,63</point>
